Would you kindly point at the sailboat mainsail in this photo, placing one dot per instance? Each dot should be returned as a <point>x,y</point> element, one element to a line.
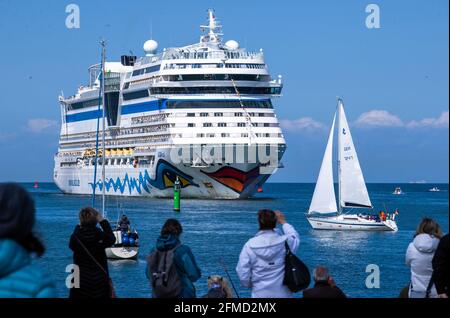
<point>353,191</point>
<point>324,198</point>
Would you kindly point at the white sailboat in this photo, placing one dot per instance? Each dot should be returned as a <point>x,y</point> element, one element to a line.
<point>324,213</point>
<point>118,250</point>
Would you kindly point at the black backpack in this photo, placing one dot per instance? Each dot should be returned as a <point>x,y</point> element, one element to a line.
<point>165,280</point>
<point>296,273</point>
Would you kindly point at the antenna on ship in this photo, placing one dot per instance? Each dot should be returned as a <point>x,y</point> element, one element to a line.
<point>103,44</point>
<point>215,29</point>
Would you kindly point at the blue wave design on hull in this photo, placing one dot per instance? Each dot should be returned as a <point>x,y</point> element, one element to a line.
<point>131,183</point>
<point>141,183</point>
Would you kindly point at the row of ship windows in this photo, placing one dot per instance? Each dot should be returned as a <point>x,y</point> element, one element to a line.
<point>242,135</point>
<point>219,104</point>
<point>162,128</point>
<point>181,104</point>
<point>157,67</point>
<point>149,118</point>
<point>161,117</point>
<point>165,138</point>
<point>214,65</point>
<point>216,90</point>
<point>237,114</point>
<point>146,70</point>
<point>127,142</point>
<point>216,77</point>
<point>121,132</point>
<point>236,125</point>
<point>199,77</point>
<point>85,104</point>
<point>201,90</point>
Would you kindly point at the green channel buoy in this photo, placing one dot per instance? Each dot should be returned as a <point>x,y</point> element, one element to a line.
<point>176,195</point>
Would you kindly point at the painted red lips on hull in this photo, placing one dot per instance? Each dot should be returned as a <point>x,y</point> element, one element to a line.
<point>234,179</point>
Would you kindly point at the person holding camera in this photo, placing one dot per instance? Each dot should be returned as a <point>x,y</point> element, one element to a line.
<point>262,260</point>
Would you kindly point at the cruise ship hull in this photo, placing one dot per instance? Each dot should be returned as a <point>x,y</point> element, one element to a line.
<point>216,181</point>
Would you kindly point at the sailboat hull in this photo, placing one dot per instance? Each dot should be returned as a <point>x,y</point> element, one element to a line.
<point>122,252</point>
<point>350,223</point>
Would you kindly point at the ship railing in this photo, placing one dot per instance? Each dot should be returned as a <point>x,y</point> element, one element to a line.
<point>153,139</point>
<point>222,55</point>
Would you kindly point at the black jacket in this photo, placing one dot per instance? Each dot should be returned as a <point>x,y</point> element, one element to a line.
<point>323,290</point>
<point>94,282</point>
<point>441,267</point>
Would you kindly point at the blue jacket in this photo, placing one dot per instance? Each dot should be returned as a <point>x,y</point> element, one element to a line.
<point>184,261</point>
<point>19,278</point>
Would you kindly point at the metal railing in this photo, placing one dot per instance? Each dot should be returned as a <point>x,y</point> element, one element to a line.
<point>219,54</point>
<point>174,54</point>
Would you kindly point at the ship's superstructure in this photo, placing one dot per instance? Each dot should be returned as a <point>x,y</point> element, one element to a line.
<point>202,113</point>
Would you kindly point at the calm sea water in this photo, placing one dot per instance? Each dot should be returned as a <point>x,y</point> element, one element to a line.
<point>217,229</point>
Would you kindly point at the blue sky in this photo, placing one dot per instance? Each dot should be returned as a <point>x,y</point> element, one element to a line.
<point>394,80</point>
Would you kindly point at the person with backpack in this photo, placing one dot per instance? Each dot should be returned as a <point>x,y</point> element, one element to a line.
<point>88,243</point>
<point>172,269</point>
<point>20,276</point>
<point>261,265</point>
<point>419,256</point>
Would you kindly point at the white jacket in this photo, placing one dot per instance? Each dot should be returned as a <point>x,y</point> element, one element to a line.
<point>261,262</point>
<point>419,256</point>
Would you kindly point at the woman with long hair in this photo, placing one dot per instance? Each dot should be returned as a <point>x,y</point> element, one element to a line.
<point>218,287</point>
<point>19,276</point>
<point>419,256</point>
<point>88,243</point>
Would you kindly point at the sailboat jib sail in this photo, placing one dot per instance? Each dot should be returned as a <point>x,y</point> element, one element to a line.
<point>353,192</point>
<point>324,198</point>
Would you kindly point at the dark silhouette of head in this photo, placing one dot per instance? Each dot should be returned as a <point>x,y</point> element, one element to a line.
<point>321,274</point>
<point>267,219</point>
<point>88,216</point>
<point>172,227</point>
<point>17,217</point>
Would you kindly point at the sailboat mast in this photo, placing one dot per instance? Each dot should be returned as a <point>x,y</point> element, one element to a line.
<point>103,43</point>
<point>339,154</point>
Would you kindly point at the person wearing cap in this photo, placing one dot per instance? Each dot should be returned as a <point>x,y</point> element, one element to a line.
<point>19,276</point>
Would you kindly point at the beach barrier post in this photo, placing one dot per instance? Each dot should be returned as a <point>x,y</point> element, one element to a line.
<point>176,195</point>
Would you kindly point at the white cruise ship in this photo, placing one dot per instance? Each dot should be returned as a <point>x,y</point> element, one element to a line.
<point>202,113</point>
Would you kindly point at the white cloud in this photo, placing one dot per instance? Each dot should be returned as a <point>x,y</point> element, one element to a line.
<point>440,122</point>
<point>38,125</point>
<point>371,119</point>
<point>382,118</point>
<point>302,124</point>
<point>378,118</point>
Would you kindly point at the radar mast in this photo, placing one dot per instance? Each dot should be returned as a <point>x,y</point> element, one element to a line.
<point>214,27</point>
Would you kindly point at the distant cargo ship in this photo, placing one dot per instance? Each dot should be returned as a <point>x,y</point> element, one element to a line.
<point>194,98</point>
